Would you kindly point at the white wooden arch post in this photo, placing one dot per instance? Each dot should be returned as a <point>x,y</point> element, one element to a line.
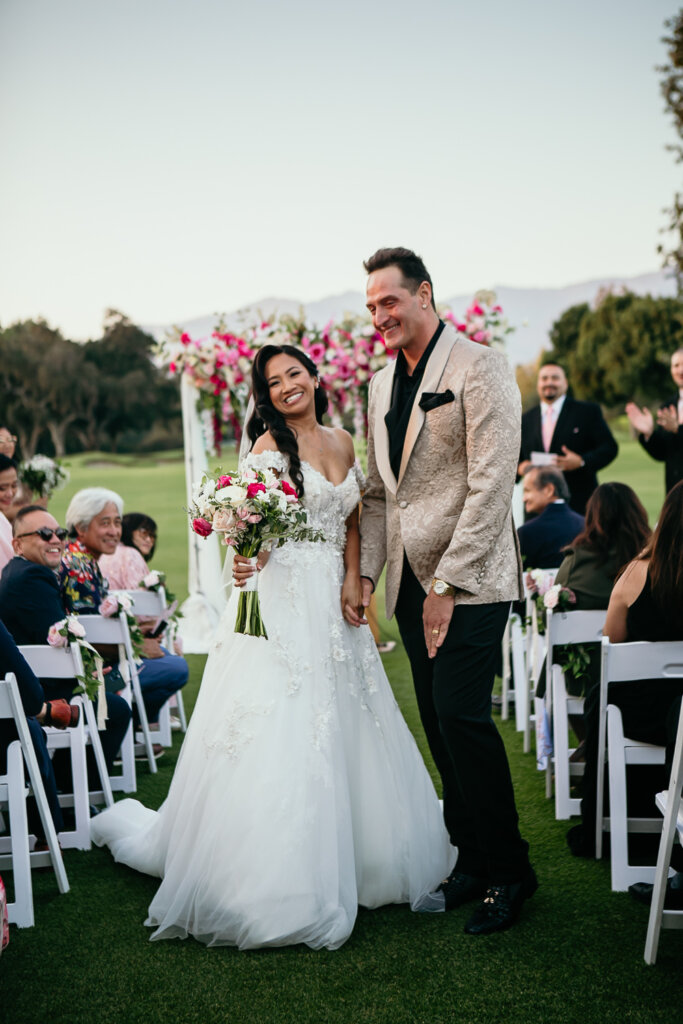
<point>206,602</point>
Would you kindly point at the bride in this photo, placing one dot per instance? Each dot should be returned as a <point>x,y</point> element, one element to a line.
<point>299,793</point>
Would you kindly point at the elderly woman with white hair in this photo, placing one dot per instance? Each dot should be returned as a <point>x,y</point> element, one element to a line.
<point>94,520</point>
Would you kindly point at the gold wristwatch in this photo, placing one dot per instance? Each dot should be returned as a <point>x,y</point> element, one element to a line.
<point>442,589</point>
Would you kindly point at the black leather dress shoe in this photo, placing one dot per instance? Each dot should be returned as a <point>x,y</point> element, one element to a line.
<point>673,898</point>
<point>501,906</point>
<point>460,888</point>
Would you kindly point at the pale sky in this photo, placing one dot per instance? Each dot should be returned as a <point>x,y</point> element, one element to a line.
<point>171,158</point>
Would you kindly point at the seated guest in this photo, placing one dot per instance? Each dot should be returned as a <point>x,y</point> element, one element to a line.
<point>8,443</point>
<point>616,531</point>
<point>8,490</point>
<point>646,604</point>
<point>554,525</point>
<point>30,602</point>
<point>127,567</point>
<point>38,713</point>
<point>94,517</point>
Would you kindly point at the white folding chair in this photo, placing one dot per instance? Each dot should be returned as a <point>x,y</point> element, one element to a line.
<point>536,647</point>
<point>113,630</point>
<point>515,678</point>
<point>670,804</point>
<point>627,663</point>
<point>153,603</point>
<point>65,663</point>
<point>566,628</point>
<point>14,850</point>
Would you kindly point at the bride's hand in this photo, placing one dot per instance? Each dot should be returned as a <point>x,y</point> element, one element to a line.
<point>351,600</point>
<point>242,568</point>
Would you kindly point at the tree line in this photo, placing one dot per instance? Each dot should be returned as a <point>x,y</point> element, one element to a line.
<point>60,396</point>
<point>616,350</point>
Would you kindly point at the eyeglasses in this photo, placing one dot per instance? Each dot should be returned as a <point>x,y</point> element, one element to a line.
<point>46,533</point>
<point>10,439</point>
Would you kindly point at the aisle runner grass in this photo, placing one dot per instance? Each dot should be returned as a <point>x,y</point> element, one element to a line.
<point>575,957</point>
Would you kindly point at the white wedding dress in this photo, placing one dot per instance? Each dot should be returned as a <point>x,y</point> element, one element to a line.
<point>299,792</point>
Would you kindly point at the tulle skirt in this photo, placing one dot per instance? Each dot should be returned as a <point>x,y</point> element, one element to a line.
<point>299,792</point>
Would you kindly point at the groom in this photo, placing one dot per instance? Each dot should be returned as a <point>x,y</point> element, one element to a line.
<point>443,444</point>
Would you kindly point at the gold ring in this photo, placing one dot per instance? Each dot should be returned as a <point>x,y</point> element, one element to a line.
<point>435,631</point>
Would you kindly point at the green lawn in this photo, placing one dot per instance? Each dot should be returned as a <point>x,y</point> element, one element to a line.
<point>576,956</point>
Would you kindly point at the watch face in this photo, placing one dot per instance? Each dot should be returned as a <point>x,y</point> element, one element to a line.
<point>439,587</point>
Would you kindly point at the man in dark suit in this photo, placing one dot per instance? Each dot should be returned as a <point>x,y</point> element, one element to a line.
<point>33,702</point>
<point>664,441</point>
<point>574,432</point>
<point>30,603</point>
<point>554,525</point>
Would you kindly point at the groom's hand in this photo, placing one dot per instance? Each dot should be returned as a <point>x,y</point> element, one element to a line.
<point>437,613</point>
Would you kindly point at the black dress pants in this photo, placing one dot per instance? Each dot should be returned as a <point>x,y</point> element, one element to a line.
<point>454,698</point>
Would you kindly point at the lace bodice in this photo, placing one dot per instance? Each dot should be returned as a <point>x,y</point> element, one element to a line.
<point>328,505</point>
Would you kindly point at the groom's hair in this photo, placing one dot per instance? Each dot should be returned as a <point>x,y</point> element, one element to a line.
<point>413,270</point>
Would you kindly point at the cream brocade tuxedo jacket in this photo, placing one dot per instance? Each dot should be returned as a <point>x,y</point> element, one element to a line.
<point>450,509</point>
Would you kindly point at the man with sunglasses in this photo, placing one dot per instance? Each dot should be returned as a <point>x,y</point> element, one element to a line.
<point>31,602</point>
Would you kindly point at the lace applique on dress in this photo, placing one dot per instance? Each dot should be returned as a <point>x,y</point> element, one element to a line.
<point>274,460</point>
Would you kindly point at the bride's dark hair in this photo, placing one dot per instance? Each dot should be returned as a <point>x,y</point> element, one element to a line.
<point>266,417</point>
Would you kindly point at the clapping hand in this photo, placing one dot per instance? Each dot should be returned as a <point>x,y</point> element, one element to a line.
<point>640,419</point>
<point>668,419</point>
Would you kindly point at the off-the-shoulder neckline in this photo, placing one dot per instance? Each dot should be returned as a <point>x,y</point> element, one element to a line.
<point>274,451</point>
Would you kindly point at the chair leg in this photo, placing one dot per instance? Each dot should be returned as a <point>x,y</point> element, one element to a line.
<point>96,744</point>
<point>180,704</point>
<point>21,911</point>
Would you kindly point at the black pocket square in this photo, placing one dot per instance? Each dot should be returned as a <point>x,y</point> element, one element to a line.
<point>432,400</point>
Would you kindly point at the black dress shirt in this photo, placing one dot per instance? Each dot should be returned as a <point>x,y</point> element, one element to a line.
<point>405,388</point>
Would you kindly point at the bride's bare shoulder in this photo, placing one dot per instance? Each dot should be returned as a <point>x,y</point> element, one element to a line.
<point>264,443</point>
<point>344,443</point>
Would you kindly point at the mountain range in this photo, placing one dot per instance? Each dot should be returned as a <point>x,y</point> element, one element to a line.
<point>531,310</point>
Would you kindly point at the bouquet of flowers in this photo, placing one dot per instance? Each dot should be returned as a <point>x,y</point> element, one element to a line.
<point>70,631</point>
<point>43,475</point>
<point>254,510</point>
<point>114,604</point>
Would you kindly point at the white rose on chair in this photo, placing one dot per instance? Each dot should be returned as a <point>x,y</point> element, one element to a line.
<point>559,597</point>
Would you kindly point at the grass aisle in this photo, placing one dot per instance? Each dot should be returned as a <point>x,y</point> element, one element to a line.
<point>576,956</point>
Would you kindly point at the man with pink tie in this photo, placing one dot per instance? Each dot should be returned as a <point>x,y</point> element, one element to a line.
<point>567,434</point>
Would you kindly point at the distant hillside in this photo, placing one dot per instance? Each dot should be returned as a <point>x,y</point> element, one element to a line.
<point>537,307</point>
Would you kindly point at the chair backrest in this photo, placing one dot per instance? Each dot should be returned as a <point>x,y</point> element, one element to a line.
<point>9,696</point>
<point>574,627</point>
<point>101,630</point>
<point>146,602</point>
<point>641,660</point>
<point>53,662</point>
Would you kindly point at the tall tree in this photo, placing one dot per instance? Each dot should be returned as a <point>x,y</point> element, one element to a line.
<point>621,349</point>
<point>672,91</point>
